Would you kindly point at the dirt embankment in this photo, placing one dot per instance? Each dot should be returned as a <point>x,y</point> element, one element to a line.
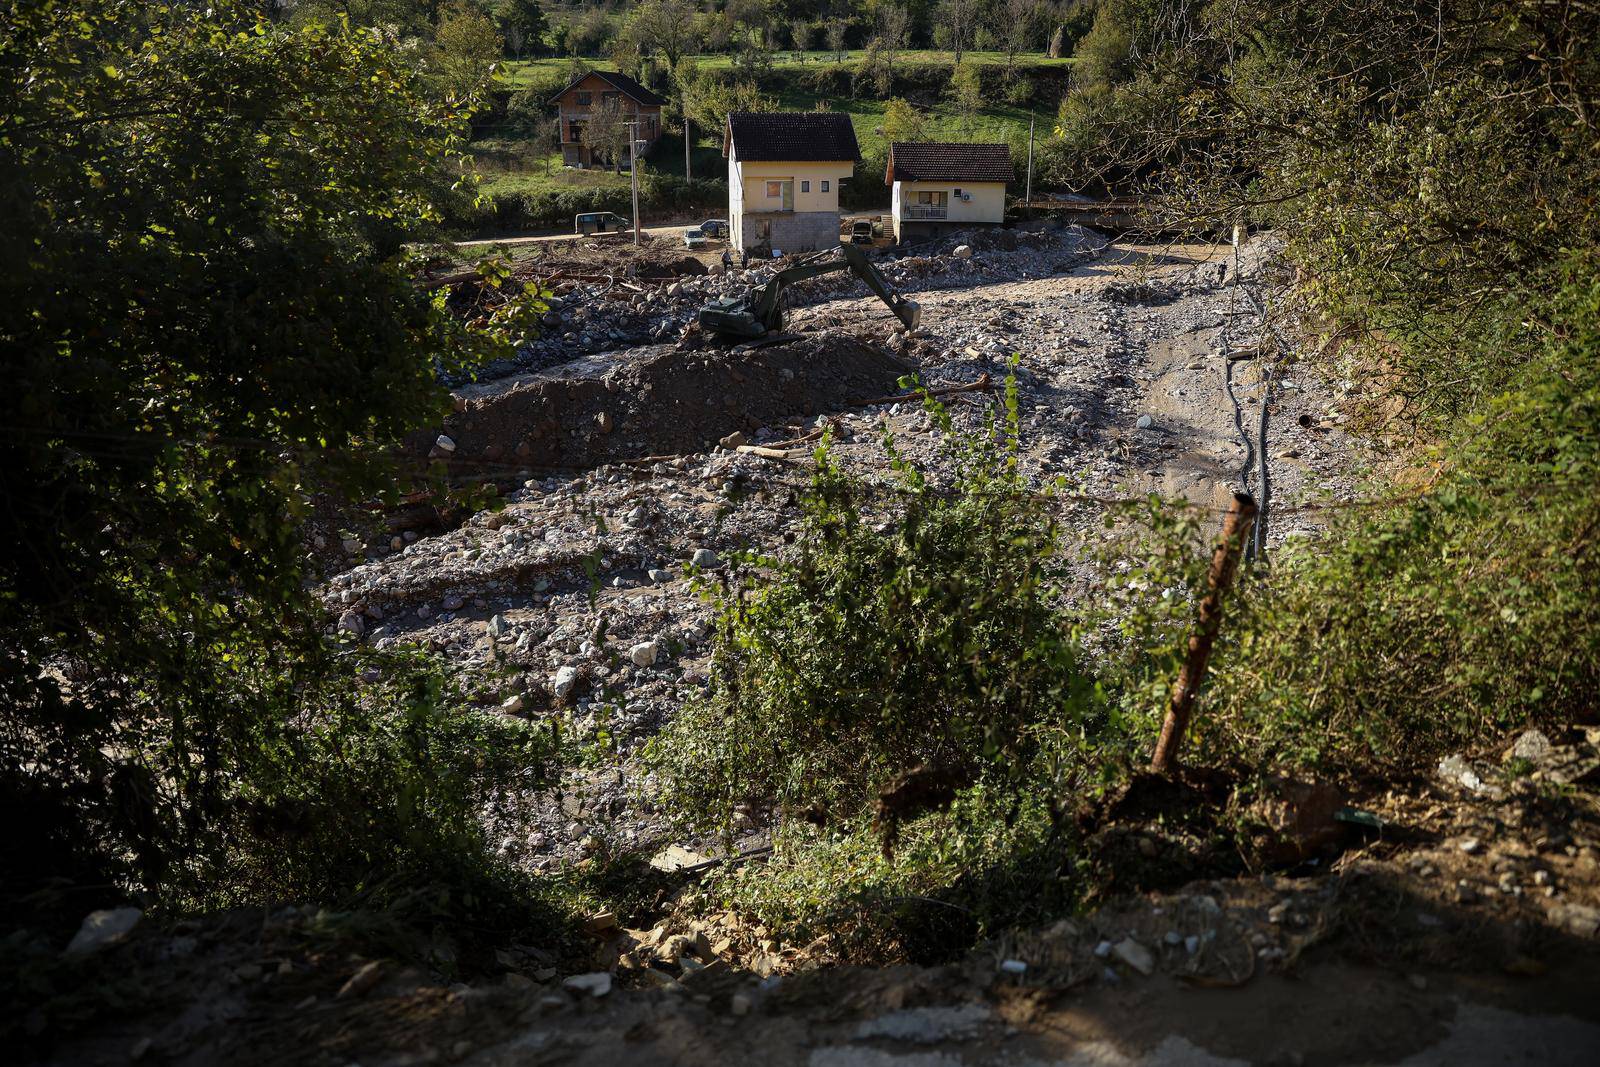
<point>654,400</point>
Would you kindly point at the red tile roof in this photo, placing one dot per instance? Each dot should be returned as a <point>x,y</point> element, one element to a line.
<point>809,136</point>
<point>924,161</point>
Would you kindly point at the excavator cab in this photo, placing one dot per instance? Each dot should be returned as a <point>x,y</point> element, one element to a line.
<point>751,316</point>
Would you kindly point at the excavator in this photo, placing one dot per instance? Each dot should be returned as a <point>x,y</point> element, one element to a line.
<point>753,315</point>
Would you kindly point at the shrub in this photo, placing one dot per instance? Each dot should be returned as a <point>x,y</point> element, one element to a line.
<point>926,637</point>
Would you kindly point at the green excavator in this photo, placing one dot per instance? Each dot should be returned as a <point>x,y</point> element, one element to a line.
<point>753,315</point>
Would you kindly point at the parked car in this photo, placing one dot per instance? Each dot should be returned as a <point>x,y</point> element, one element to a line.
<point>599,222</point>
<point>694,238</point>
<point>861,232</point>
<point>717,228</point>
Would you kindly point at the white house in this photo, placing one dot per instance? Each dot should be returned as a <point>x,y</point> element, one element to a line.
<point>784,173</point>
<point>940,187</point>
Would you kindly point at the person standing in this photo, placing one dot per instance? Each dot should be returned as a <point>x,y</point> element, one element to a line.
<point>727,261</point>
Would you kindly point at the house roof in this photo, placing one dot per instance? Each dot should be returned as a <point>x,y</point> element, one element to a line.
<point>924,161</point>
<point>810,136</point>
<point>618,81</point>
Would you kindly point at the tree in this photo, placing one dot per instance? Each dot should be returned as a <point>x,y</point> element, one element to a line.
<point>606,133</point>
<point>1014,29</point>
<point>902,122</point>
<point>893,24</point>
<point>712,101</point>
<point>966,93</point>
<point>209,318</point>
<point>466,47</point>
<point>522,24</point>
<point>667,26</point>
<point>958,18</point>
<point>838,29</point>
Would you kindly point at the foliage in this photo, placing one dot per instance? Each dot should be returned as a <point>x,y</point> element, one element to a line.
<point>927,638</point>
<point>466,46</point>
<point>209,318</point>
<point>902,122</point>
<point>966,92</point>
<point>1461,614</point>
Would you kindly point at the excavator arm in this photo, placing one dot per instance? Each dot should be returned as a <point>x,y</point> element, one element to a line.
<point>760,311</point>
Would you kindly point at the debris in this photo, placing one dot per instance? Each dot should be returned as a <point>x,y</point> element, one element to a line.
<point>597,984</point>
<point>362,981</point>
<point>565,681</point>
<point>645,653</point>
<point>103,928</point>
<point>1134,955</point>
<point>1531,745</point>
<point>1013,967</point>
<point>600,922</point>
<point>705,559</point>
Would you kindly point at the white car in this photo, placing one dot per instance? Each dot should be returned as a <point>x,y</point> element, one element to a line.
<point>694,237</point>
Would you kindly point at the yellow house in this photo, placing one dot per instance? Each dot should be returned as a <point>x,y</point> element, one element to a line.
<point>784,173</point>
<point>944,187</point>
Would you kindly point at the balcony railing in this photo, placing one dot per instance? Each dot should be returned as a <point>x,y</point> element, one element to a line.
<point>926,211</point>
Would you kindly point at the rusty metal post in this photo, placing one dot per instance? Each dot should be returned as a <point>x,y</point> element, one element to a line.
<point>1235,531</point>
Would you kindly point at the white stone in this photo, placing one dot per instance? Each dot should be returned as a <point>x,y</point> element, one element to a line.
<point>102,928</point>
<point>704,558</point>
<point>566,680</point>
<point>352,622</point>
<point>444,443</point>
<point>962,252</point>
<point>645,653</point>
<point>597,984</point>
<point>1145,422</point>
<point>1013,967</point>
<point>1134,955</point>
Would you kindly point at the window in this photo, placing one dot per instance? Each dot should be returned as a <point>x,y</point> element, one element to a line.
<point>774,190</point>
<point>958,192</point>
<point>824,185</point>
<point>805,187</point>
<point>585,99</point>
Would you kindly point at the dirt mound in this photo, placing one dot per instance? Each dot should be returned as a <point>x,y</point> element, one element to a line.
<point>611,256</point>
<point>657,400</point>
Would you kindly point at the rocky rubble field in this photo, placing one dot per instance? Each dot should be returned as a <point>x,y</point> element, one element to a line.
<point>577,600</point>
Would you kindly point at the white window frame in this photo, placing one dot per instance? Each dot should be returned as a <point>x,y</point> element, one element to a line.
<point>824,185</point>
<point>805,185</point>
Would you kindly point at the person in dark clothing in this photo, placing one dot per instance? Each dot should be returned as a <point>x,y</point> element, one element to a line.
<point>727,261</point>
<point>744,258</point>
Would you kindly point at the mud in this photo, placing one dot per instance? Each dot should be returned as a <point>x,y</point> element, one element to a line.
<point>656,400</point>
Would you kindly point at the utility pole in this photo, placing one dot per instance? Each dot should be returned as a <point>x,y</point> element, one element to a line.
<point>633,173</point>
<point>1027,196</point>
<point>688,175</point>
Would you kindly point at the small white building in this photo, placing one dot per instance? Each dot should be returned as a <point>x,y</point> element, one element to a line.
<point>784,173</point>
<point>941,187</point>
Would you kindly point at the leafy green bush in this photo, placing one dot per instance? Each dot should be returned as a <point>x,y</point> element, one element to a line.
<point>922,633</point>
<point>1467,611</point>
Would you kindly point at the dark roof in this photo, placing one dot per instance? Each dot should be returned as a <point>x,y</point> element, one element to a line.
<point>796,135</point>
<point>618,81</point>
<point>922,161</point>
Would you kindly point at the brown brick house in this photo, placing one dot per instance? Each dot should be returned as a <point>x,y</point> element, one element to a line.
<point>589,113</point>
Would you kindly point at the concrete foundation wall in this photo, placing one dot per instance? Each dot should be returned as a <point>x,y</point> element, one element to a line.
<point>787,231</point>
